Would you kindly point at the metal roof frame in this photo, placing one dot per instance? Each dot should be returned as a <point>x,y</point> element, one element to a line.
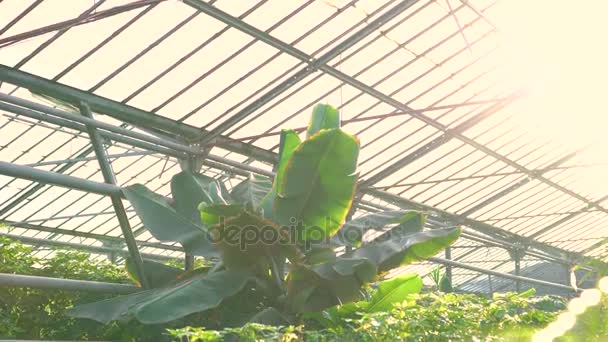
<point>148,134</point>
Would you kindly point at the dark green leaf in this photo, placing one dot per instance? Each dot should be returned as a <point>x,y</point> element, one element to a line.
<point>406,221</point>
<point>197,294</point>
<point>244,237</point>
<point>393,291</point>
<point>445,285</point>
<point>318,185</point>
<point>190,189</point>
<point>337,281</point>
<point>157,274</point>
<point>401,250</point>
<point>323,117</point>
<point>251,191</point>
<point>317,255</point>
<point>218,213</point>
<point>166,224</point>
<point>270,316</point>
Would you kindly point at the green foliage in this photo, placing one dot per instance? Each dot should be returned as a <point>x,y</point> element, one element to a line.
<point>421,317</point>
<point>318,184</point>
<point>400,221</point>
<point>158,215</point>
<point>323,117</point>
<point>440,279</point>
<point>41,314</point>
<point>258,230</point>
<point>198,293</point>
<point>393,291</point>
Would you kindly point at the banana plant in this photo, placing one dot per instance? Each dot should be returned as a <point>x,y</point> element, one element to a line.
<point>274,241</point>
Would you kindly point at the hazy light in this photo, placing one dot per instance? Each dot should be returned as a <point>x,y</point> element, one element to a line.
<point>577,306</point>
<point>555,50</point>
<point>591,297</point>
<point>603,284</point>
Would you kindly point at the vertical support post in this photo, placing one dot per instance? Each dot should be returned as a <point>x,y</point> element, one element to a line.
<point>112,257</point>
<point>490,285</point>
<point>517,272</point>
<point>108,176</point>
<point>448,268</point>
<point>189,262</point>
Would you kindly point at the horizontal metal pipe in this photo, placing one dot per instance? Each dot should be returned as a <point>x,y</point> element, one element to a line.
<point>84,159</point>
<point>243,167</point>
<point>95,123</point>
<point>126,113</point>
<point>494,232</point>
<point>82,128</point>
<point>92,249</point>
<point>98,104</point>
<point>502,274</point>
<point>41,176</point>
<point>115,240</point>
<point>15,280</point>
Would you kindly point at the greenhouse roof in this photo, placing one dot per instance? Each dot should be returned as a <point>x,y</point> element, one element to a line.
<point>427,86</point>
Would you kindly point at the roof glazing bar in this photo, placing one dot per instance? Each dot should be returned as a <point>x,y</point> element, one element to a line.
<point>313,64</point>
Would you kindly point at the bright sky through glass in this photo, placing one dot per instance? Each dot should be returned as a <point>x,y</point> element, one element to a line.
<point>558,52</point>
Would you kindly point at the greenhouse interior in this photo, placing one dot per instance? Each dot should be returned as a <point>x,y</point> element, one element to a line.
<point>310,170</point>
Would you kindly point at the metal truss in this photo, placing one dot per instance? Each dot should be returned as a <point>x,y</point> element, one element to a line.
<point>148,134</point>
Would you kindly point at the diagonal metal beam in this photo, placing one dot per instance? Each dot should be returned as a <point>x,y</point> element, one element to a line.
<point>125,113</point>
<point>439,141</point>
<point>91,249</point>
<point>53,178</point>
<point>519,184</point>
<point>20,16</point>
<point>80,20</point>
<point>319,64</point>
<point>86,235</point>
<point>109,178</point>
<point>79,127</point>
<point>566,219</point>
<point>484,228</point>
<point>313,64</point>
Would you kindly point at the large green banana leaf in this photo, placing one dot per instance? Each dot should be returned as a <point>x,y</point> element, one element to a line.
<point>166,224</point>
<point>157,274</point>
<point>318,184</point>
<point>190,189</point>
<point>337,281</point>
<point>251,191</point>
<point>404,249</point>
<point>393,291</point>
<point>323,117</point>
<point>288,144</point>
<point>196,294</point>
<point>388,293</point>
<point>406,221</point>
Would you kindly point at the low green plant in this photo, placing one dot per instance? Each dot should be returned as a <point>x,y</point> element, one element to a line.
<point>421,317</point>
<point>33,314</point>
<point>27,313</point>
<point>440,279</point>
<point>275,239</point>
